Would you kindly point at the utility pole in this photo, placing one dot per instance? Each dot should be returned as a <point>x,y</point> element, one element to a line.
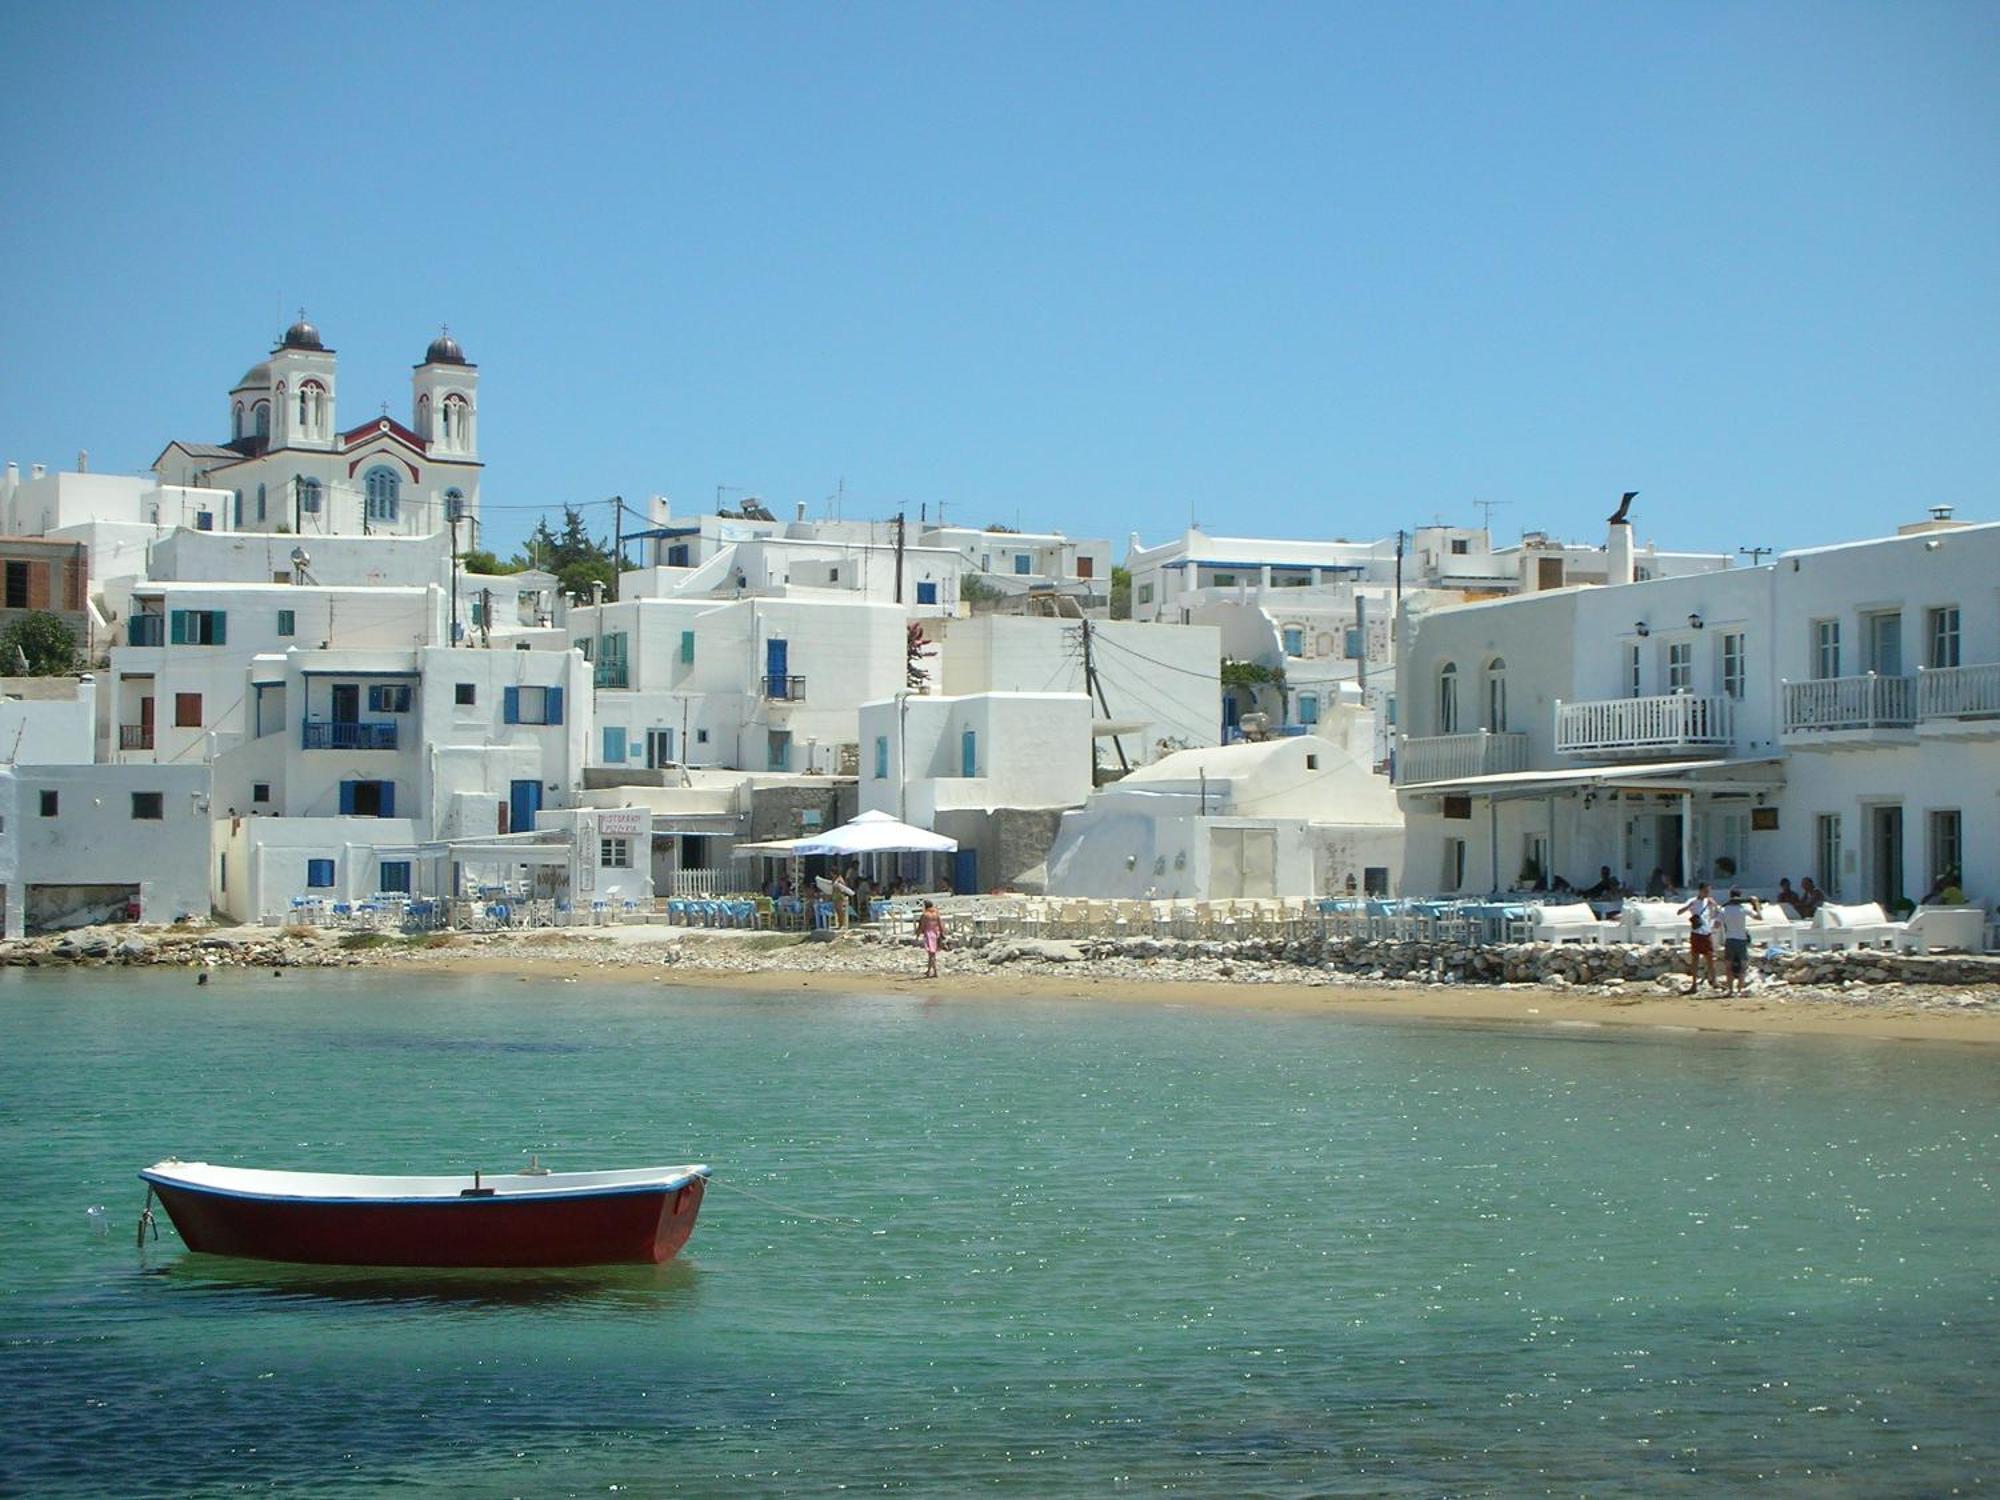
<point>298,517</point>
<point>618,542</point>
<point>1361,642</point>
<point>1092,685</point>
<point>899,557</point>
<point>453,522</point>
<point>1395,620</point>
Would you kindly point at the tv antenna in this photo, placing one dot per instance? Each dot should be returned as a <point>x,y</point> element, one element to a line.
<point>1756,554</point>
<point>1486,509</point>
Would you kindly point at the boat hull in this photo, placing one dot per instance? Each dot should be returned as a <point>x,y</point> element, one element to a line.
<point>628,1226</point>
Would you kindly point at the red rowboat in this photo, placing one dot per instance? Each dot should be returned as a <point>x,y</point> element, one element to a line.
<point>531,1218</point>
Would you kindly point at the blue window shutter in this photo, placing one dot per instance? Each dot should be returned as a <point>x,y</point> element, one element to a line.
<point>374,698</point>
<point>388,799</point>
<point>687,645</point>
<point>881,757</point>
<point>319,874</point>
<point>554,715</point>
<point>177,627</point>
<point>510,706</point>
<point>926,593</point>
<point>347,799</point>
<point>614,744</point>
<point>287,622</point>
<point>219,627</point>
<point>968,749</point>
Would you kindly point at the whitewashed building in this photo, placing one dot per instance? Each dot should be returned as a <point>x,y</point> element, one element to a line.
<point>350,757</point>
<point>767,684</point>
<point>1301,816</point>
<point>1161,685</point>
<point>991,770</point>
<point>1835,713</point>
<point>86,843</point>
<point>177,681</point>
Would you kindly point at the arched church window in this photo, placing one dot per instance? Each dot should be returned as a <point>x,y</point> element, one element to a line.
<point>262,417</point>
<point>1448,698</point>
<point>309,496</point>
<point>454,504</point>
<point>384,492</point>
<point>236,421</point>
<point>454,419</point>
<point>260,502</point>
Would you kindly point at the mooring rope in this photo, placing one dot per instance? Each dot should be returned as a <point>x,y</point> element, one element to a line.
<point>146,1220</point>
<point>796,1213</point>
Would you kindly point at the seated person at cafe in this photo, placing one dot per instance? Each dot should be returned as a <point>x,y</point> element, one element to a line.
<point>1607,885</point>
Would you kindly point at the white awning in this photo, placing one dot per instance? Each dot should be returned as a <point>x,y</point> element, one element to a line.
<point>1762,774</point>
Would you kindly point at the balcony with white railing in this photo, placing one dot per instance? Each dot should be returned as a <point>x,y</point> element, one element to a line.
<point>1637,728</point>
<point>1959,700</point>
<point>1450,757</point>
<point>1834,711</point>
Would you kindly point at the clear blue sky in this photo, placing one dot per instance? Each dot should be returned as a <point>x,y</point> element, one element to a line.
<point>1298,270</point>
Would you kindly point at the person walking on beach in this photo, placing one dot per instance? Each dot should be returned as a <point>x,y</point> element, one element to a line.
<point>843,898</point>
<point>930,933</point>
<point>1702,914</point>
<point>1736,939</point>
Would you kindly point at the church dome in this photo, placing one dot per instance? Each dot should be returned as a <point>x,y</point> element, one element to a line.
<point>257,377</point>
<point>301,335</point>
<point>444,350</point>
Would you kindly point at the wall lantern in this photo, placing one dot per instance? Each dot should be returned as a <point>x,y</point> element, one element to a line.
<point>1694,622</point>
<point>1641,628</point>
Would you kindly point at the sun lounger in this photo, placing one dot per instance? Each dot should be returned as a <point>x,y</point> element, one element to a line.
<point>1944,929</point>
<point>1861,926</point>
<point>1653,922</point>
<point>1573,923</point>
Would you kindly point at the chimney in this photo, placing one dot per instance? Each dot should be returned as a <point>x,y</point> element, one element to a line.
<point>1618,553</point>
<point>83,460</point>
<point>38,471</point>
<point>802,510</point>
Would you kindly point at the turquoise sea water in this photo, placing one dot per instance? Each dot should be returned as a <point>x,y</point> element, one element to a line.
<point>1100,1249</point>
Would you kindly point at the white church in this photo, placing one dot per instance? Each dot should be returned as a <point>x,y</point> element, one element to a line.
<point>288,465</point>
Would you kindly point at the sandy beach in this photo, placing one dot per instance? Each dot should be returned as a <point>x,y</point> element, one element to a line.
<point>649,956</point>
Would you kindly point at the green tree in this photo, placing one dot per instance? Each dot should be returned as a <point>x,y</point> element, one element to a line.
<point>43,641</point>
<point>1121,593</point>
<point>573,555</point>
<point>479,560</point>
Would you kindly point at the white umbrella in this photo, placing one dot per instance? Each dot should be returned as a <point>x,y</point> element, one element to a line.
<point>875,833</point>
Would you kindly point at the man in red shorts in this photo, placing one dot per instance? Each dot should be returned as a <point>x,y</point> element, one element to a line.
<point>1702,914</point>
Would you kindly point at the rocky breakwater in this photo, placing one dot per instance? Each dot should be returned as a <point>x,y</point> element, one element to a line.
<point>193,947</point>
<point>1545,965</point>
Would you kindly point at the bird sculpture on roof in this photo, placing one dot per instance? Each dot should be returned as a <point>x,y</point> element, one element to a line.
<point>1624,505</point>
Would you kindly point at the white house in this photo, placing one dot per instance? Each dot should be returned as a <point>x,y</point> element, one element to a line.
<point>1015,562</point>
<point>747,684</point>
<point>48,721</point>
<point>1830,714</point>
<point>1161,685</point>
<point>82,843</point>
<point>352,757</point>
<point>992,770</point>
<point>1295,817</point>
<point>178,678</point>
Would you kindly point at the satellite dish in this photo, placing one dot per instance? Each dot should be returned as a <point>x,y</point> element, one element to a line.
<point>301,558</point>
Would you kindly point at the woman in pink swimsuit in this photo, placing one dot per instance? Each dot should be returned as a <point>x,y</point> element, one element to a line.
<point>930,933</point>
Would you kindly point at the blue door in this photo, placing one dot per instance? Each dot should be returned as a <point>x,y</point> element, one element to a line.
<point>965,872</point>
<point>522,806</point>
<point>777,662</point>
